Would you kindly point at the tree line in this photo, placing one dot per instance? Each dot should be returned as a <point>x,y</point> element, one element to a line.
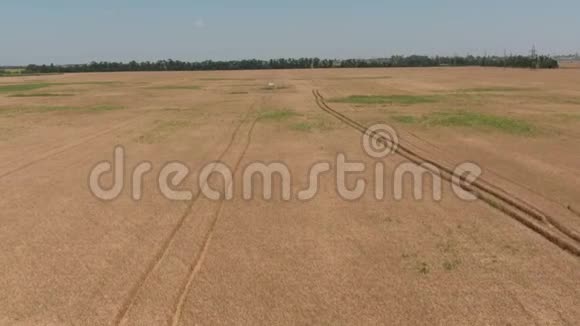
<point>519,61</point>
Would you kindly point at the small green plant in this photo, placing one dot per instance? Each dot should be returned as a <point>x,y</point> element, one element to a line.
<point>496,89</point>
<point>447,246</point>
<point>450,265</point>
<point>423,268</point>
<point>302,126</point>
<point>40,95</point>
<point>274,88</point>
<point>22,87</point>
<point>405,119</point>
<point>277,115</point>
<point>104,108</point>
<point>176,87</point>
<point>34,86</point>
<point>387,99</point>
<point>38,109</point>
<point>50,109</point>
<point>408,255</point>
<point>480,120</point>
<point>471,119</point>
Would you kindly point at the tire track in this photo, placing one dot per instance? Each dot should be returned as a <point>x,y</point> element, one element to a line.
<point>62,149</point>
<point>502,177</point>
<point>573,210</point>
<point>533,218</point>
<point>198,262</point>
<point>537,213</point>
<point>121,316</point>
<point>427,153</point>
<point>540,216</point>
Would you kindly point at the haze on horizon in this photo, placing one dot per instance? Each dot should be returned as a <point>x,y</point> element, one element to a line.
<point>67,31</point>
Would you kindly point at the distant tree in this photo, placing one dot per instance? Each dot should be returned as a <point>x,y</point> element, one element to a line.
<point>535,61</point>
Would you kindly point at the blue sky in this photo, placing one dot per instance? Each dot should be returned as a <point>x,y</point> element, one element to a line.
<point>69,31</point>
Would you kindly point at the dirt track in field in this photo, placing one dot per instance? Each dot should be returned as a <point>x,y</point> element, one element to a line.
<point>69,258</point>
<point>564,237</point>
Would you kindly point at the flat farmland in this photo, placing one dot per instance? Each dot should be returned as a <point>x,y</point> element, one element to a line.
<point>511,255</point>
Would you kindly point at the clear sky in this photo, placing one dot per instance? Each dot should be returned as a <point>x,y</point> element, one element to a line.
<point>78,31</point>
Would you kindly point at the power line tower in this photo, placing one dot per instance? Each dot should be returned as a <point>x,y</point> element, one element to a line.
<point>504,58</point>
<point>534,57</point>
